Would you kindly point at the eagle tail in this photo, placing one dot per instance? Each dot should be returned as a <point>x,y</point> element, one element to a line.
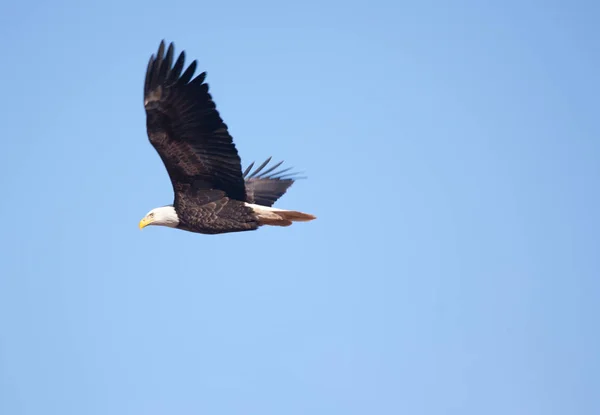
<point>278,217</point>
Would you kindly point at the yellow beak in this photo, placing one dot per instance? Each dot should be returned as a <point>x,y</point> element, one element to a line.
<point>145,222</point>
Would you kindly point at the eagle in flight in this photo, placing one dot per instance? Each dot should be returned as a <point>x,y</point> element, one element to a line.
<point>211,193</point>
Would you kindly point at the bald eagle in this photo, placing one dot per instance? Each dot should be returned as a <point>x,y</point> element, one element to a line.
<point>211,193</point>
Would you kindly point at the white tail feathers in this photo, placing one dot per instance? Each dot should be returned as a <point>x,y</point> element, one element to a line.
<point>278,217</point>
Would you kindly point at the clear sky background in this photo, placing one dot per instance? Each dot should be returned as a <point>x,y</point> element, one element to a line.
<point>452,151</point>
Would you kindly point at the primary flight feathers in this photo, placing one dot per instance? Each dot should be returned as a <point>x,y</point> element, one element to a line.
<point>211,193</point>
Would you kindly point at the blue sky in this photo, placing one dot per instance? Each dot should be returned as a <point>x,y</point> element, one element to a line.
<point>452,153</point>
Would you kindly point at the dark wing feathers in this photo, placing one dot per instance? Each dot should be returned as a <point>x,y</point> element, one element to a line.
<point>186,129</point>
<point>264,189</point>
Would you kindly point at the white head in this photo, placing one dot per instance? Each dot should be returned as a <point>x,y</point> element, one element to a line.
<point>162,216</point>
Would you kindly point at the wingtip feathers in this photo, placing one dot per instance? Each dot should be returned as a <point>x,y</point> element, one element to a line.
<point>162,71</point>
<point>270,173</point>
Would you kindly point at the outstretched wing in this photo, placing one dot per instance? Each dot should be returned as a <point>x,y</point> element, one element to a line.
<point>186,129</point>
<point>264,188</point>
